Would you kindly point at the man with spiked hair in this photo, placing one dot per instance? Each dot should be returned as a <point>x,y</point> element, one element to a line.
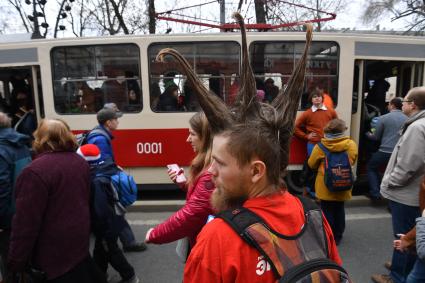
<point>250,155</point>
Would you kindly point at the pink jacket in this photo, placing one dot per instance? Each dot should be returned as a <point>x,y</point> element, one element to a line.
<point>188,220</point>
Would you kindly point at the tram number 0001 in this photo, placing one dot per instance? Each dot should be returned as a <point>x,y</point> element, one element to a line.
<point>149,148</point>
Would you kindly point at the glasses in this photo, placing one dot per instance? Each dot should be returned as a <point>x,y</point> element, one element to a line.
<point>408,101</point>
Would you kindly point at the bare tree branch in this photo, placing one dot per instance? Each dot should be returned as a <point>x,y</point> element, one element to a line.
<point>18,6</point>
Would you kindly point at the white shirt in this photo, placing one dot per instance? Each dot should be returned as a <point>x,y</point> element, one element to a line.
<point>314,108</point>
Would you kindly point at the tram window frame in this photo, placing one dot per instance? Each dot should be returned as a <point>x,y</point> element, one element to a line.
<point>329,82</point>
<point>103,72</point>
<point>191,51</point>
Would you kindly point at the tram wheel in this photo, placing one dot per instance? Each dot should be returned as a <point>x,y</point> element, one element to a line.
<point>293,181</point>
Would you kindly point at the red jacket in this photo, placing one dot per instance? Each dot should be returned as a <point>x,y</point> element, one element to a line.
<point>188,220</point>
<point>221,255</point>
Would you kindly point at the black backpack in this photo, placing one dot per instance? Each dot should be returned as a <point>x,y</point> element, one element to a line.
<point>311,263</point>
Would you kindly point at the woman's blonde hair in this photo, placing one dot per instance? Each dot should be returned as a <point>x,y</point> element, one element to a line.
<point>199,123</point>
<point>53,135</point>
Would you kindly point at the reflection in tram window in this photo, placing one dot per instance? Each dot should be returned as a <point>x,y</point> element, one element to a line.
<point>87,77</point>
<point>215,63</point>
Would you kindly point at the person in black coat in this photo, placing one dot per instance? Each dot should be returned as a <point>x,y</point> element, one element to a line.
<point>107,215</point>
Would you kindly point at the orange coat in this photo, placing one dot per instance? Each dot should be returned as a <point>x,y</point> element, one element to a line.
<point>310,121</point>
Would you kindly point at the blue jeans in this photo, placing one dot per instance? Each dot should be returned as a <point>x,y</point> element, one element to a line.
<point>126,235</point>
<point>403,218</point>
<point>310,147</point>
<point>377,160</point>
<point>417,275</point>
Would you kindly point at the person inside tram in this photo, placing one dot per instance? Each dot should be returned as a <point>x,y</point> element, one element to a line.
<point>133,93</point>
<point>271,90</point>
<point>86,97</point>
<point>189,220</point>
<point>155,93</point>
<point>377,94</point>
<point>190,100</point>
<point>214,84</point>
<point>24,119</point>
<point>168,100</point>
<point>115,88</point>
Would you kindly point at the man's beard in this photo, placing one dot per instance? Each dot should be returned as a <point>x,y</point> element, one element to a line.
<point>221,200</point>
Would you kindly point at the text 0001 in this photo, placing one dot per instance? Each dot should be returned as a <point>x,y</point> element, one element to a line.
<point>149,148</point>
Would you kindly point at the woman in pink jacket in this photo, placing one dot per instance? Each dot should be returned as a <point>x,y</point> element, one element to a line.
<point>189,220</point>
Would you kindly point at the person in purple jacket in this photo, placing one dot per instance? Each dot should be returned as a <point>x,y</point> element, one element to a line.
<point>51,227</point>
<point>189,220</point>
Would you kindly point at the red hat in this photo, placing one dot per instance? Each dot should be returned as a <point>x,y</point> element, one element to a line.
<point>90,152</point>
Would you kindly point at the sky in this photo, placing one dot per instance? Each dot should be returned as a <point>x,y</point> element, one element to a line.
<point>350,17</point>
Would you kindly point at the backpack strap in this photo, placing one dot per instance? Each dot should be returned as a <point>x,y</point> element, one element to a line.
<point>239,219</point>
<point>97,131</point>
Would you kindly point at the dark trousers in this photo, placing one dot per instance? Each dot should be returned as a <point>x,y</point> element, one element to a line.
<point>334,212</point>
<point>85,272</point>
<point>126,235</point>
<point>4,249</point>
<point>377,160</point>
<point>107,251</point>
<point>403,218</point>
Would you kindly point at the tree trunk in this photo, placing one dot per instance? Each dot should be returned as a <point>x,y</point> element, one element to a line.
<point>152,18</point>
<point>260,12</point>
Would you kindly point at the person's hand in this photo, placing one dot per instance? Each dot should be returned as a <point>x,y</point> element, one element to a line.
<point>369,134</point>
<point>312,135</point>
<point>173,175</point>
<point>401,244</point>
<point>147,235</point>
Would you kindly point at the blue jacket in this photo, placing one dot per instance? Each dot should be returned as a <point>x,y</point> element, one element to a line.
<point>14,156</point>
<point>107,218</point>
<point>388,130</point>
<point>103,140</point>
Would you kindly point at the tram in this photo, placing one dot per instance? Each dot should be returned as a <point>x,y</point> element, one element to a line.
<point>72,78</point>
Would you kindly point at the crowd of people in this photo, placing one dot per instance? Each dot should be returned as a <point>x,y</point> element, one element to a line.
<point>234,183</point>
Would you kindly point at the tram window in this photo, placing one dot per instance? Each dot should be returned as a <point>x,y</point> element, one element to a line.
<point>87,77</point>
<point>273,63</point>
<point>215,63</point>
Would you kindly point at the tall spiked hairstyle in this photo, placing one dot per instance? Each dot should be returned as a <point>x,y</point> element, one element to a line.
<point>277,118</point>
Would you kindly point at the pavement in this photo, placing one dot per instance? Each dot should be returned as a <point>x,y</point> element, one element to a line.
<point>173,205</point>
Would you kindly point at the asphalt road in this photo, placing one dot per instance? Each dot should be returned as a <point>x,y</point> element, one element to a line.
<point>366,245</point>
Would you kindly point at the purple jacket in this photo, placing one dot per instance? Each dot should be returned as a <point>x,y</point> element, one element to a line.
<point>51,227</point>
<point>188,220</point>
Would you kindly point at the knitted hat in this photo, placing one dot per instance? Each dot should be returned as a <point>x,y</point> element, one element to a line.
<point>90,152</point>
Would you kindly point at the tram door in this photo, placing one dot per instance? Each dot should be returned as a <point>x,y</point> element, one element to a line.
<point>21,97</point>
<point>375,83</point>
